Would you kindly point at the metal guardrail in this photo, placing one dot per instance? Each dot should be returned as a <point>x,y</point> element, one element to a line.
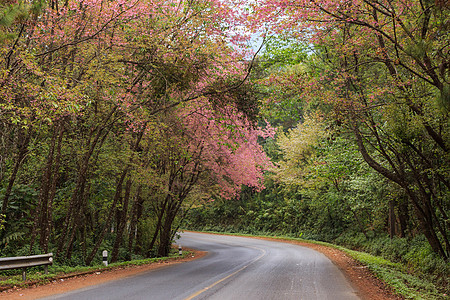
<point>24,262</point>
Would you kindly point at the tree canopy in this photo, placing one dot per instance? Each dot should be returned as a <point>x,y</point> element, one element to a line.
<point>112,113</point>
<point>117,117</point>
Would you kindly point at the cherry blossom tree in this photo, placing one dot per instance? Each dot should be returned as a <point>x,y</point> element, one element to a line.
<point>87,85</point>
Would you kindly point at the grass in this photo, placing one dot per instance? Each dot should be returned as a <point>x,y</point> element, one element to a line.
<point>395,275</point>
<point>35,275</point>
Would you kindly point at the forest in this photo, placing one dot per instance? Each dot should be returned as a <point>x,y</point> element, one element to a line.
<point>122,122</point>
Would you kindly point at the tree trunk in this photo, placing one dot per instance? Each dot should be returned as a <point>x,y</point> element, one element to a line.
<point>426,223</point>
<point>391,219</point>
<point>403,216</point>
<point>419,199</point>
<point>43,215</point>
<point>122,222</point>
<point>79,220</point>
<point>40,216</point>
<point>165,234</point>
<point>112,209</point>
<point>101,132</point>
<point>138,247</point>
<point>48,227</point>
<point>23,141</point>
<point>134,219</point>
<point>75,200</point>
<point>158,225</point>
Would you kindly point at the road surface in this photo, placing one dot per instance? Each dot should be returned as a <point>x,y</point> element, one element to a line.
<point>234,268</point>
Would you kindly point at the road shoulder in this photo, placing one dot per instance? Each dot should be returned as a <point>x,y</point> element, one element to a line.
<point>70,283</point>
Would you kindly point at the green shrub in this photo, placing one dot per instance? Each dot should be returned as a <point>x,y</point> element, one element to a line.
<point>413,253</point>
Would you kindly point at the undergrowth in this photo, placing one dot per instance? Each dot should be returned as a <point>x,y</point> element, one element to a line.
<point>35,274</point>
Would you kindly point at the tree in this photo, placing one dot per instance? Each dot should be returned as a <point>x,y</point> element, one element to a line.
<point>385,73</point>
<point>200,149</point>
<point>87,88</point>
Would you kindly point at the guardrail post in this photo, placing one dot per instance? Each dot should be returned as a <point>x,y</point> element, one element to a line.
<point>24,274</point>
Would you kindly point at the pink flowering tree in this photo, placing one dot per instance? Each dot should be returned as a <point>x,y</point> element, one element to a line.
<point>204,152</point>
<point>87,85</point>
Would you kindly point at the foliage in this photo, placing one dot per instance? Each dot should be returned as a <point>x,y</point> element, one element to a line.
<point>16,11</point>
<point>280,52</point>
<point>414,253</point>
<point>2,221</point>
<point>370,74</point>
<point>112,113</point>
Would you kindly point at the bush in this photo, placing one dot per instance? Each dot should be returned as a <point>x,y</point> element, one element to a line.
<point>414,253</point>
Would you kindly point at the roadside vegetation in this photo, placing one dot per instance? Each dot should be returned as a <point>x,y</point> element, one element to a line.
<point>35,276</point>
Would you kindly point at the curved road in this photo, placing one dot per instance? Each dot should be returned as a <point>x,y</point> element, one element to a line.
<point>235,268</point>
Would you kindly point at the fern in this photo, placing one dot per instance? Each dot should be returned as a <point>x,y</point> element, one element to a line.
<point>12,237</point>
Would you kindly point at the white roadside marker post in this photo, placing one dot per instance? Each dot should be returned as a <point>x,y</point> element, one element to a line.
<point>105,258</point>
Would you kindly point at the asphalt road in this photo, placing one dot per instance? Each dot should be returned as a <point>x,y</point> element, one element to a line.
<point>235,268</point>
